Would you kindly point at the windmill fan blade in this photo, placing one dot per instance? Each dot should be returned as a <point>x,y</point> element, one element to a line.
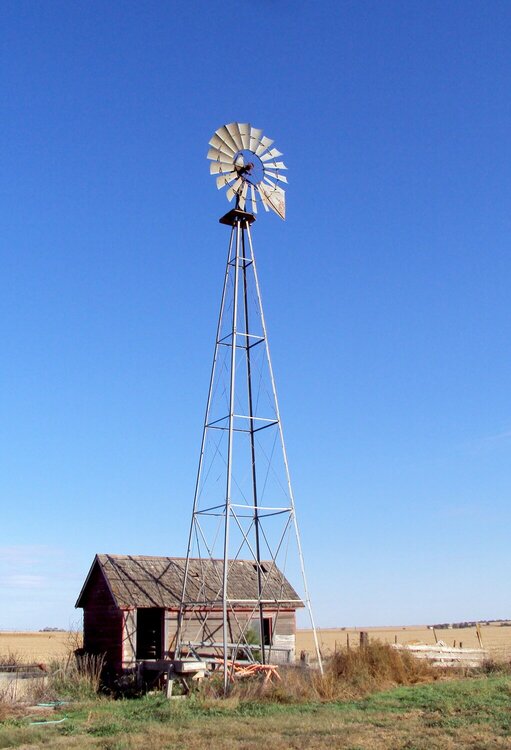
<point>221,145</point>
<point>254,201</point>
<point>225,179</point>
<point>255,137</point>
<point>219,167</point>
<point>264,144</point>
<point>269,182</point>
<point>235,135</point>
<point>224,134</point>
<point>272,153</point>
<point>263,198</point>
<point>217,155</point>
<point>275,176</point>
<point>243,196</point>
<point>244,129</point>
<point>275,165</point>
<point>234,189</point>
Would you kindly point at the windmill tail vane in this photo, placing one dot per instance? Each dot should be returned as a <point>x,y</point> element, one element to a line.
<point>236,600</point>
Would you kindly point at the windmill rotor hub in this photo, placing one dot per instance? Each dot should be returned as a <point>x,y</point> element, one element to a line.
<point>249,166</point>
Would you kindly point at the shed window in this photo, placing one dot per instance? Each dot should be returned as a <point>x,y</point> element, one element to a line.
<point>149,633</point>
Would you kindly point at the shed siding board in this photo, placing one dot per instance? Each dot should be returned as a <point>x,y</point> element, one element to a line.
<point>102,635</point>
<point>284,625</point>
<point>129,638</point>
<point>97,592</point>
<point>102,621</point>
<point>169,633</point>
<point>283,649</point>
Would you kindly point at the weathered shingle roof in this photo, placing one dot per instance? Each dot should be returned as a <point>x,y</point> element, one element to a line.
<point>142,581</point>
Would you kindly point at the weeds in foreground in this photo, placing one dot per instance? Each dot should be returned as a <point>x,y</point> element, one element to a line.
<point>72,678</point>
<point>379,665</point>
<point>77,678</point>
<point>11,659</point>
<point>348,674</point>
<point>492,667</point>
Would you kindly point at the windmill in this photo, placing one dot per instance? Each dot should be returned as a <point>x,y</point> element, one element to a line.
<point>243,520</point>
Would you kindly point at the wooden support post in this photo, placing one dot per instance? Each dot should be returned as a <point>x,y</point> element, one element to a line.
<point>170,681</point>
<point>479,635</point>
<point>304,658</point>
<point>364,639</point>
<point>435,635</point>
<point>395,639</point>
<point>347,641</point>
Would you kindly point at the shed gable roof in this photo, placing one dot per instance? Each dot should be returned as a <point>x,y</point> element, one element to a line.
<point>144,581</point>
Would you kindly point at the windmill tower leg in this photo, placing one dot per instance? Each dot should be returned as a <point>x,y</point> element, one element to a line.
<point>253,450</point>
<point>286,463</point>
<point>239,332</point>
<point>228,490</point>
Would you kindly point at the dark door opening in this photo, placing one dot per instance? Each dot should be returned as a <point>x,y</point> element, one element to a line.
<point>267,628</point>
<point>149,633</point>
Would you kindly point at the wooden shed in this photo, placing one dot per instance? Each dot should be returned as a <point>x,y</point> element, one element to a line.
<point>130,607</point>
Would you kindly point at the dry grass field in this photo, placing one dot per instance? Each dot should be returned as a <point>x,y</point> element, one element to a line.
<point>37,647</point>
<point>496,638</point>
<point>43,647</point>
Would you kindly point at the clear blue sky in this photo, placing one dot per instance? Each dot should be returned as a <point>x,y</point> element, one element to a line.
<point>386,290</point>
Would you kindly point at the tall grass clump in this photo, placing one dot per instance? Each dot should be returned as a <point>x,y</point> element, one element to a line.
<point>377,666</point>
<point>348,674</point>
<point>17,677</point>
<point>73,678</point>
<point>11,659</point>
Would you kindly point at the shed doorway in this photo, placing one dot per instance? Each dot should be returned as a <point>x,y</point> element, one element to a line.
<point>267,631</point>
<point>149,633</point>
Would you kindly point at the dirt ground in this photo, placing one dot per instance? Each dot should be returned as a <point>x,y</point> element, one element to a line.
<point>43,647</point>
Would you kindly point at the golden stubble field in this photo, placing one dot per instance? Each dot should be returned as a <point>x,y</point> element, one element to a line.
<point>496,637</point>
<point>43,647</point>
<point>37,647</point>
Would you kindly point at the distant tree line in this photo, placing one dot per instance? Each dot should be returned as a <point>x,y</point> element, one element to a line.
<point>469,624</point>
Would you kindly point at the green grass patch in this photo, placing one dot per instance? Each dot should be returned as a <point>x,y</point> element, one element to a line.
<point>475,713</point>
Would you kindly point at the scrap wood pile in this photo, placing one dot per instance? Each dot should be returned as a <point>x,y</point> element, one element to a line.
<point>251,669</point>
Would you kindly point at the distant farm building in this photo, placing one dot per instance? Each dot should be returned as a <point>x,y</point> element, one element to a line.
<point>131,604</point>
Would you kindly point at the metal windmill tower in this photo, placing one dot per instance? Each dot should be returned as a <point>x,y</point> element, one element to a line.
<point>243,507</point>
